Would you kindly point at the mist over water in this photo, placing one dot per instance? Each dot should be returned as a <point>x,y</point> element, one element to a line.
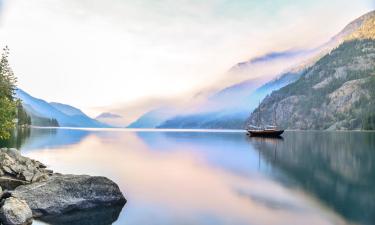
<point>198,177</point>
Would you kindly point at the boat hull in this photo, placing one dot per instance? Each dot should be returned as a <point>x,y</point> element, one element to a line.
<point>265,133</point>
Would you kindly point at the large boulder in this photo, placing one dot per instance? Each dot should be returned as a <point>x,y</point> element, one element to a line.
<point>14,211</point>
<point>61,194</point>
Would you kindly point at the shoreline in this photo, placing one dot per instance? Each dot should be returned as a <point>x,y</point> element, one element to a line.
<point>185,130</point>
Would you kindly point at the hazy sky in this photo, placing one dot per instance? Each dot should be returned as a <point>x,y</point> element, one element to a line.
<point>99,53</point>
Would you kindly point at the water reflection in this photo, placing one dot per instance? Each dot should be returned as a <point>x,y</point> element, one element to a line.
<point>221,177</point>
<point>337,168</point>
<point>18,138</point>
<point>102,216</point>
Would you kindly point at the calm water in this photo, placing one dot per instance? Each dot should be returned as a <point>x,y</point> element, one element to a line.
<point>218,178</point>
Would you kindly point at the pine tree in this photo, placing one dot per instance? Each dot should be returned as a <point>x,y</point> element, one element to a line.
<point>8,105</point>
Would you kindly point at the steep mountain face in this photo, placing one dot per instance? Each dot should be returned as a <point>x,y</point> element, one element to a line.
<point>66,115</point>
<point>361,28</point>
<point>338,92</point>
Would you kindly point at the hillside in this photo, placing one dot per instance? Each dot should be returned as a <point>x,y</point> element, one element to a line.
<point>336,93</point>
<point>153,118</point>
<point>43,113</point>
<point>239,100</point>
<point>67,109</point>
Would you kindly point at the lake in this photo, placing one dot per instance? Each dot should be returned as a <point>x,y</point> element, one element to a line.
<point>217,177</point>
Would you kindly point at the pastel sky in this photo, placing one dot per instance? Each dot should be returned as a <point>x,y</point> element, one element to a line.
<point>95,54</point>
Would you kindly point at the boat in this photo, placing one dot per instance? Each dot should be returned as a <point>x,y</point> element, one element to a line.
<point>267,132</point>
<point>271,131</point>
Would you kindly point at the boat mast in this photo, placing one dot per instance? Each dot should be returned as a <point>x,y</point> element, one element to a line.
<point>274,116</point>
<point>258,115</point>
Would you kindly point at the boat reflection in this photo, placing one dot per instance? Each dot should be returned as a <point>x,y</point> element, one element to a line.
<point>336,168</point>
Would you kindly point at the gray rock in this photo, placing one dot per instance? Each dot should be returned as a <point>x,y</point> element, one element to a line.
<point>10,183</point>
<point>15,212</point>
<point>16,169</point>
<point>33,190</point>
<point>66,193</point>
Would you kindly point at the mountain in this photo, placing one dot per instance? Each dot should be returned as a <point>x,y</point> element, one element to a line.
<point>239,100</point>
<point>337,92</point>
<point>66,116</point>
<point>360,28</point>
<point>108,115</point>
<point>67,109</point>
<point>110,119</point>
<point>235,103</point>
<point>153,118</point>
<point>287,58</point>
<point>229,107</point>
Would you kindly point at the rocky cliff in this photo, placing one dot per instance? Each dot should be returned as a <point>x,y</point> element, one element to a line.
<point>335,93</point>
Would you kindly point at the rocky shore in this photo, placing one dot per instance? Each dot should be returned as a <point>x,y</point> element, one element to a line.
<point>30,190</point>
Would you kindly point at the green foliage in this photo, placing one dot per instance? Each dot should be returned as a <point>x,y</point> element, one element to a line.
<point>7,116</point>
<point>44,122</point>
<point>23,118</point>
<point>8,105</point>
<point>369,122</point>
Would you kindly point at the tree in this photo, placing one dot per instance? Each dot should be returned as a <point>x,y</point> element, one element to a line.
<point>22,116</point>
<point>8,105</point>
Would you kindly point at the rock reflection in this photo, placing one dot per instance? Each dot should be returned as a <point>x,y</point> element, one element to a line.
<point>337,168</point>
<point>100,216</point>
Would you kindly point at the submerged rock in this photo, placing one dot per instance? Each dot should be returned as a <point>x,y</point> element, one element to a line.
<point>66,193</point>
<point>14,211</point>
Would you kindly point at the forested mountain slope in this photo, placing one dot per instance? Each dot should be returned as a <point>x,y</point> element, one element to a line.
<point>338,92</point>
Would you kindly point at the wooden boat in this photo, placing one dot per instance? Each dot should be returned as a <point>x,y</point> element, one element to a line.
<point>269,131</point>
<point>265,132</point>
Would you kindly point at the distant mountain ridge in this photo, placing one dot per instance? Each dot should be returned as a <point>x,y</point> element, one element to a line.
<point>337,92</point>
<point>107,115</point>
<point>66,115</point>
<point>228,108</point>
<point>111,119</point>
<point>239,100</point>
<point>153,118</point>
<point>67,109</point>
<point>272,57</point>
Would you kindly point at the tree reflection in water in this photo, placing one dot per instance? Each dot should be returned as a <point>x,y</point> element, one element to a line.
<point>336,167</point>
